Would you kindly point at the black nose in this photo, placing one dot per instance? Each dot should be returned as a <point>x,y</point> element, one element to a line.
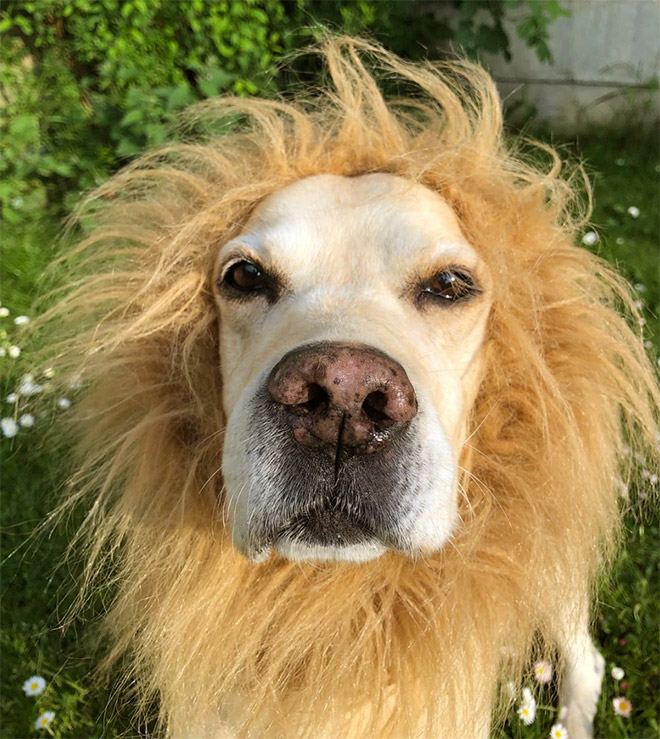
<point>346,394</point>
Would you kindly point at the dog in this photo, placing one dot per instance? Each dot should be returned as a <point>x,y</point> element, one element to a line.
<point>355,410</point>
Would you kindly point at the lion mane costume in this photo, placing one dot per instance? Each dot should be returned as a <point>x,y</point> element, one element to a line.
<point>394,647</point>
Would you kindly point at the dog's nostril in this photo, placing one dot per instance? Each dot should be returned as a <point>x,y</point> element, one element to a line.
<point>316,397</point>
<point>374,406</point>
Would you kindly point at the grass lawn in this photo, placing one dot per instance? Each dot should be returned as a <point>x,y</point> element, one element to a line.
<point>35,593</point>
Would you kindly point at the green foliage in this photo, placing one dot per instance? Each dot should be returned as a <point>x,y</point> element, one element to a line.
<point>87,84</point>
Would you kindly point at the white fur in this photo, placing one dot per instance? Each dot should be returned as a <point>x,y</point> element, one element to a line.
<point>349,250</point>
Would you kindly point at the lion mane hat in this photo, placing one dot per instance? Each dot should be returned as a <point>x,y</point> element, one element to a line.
<point>394,647</point>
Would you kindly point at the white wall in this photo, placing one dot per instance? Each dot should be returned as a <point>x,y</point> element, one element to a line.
<point>606,57</point>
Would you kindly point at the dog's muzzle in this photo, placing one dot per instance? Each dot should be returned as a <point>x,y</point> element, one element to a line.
<point>332,454</point>
<point>326,459</point>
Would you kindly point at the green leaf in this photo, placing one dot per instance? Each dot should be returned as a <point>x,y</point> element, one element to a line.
<point>133,116</point>
<point>24,129</point>
<point>179,97</point>
<point>215,82</point>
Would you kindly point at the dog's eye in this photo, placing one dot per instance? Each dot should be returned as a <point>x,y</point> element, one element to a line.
<point>450,286</point>
<point>245,277</point>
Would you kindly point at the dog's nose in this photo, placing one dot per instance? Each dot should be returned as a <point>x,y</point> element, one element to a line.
<point>342,395</point>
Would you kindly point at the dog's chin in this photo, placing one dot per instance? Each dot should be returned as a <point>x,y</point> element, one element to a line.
<point>301,551</point>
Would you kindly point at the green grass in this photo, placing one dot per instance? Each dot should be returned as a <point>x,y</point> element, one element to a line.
<point>35,593</point>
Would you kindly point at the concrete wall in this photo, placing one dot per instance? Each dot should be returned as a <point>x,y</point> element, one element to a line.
<point>606,57</point>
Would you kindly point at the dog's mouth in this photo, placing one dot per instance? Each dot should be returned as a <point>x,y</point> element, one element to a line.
<point>327,527</point>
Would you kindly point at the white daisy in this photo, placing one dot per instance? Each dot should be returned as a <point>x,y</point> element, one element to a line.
<point>64,403</point>
<point>21,320</point>
<point>3,351</point>
<point>640,287</point>
<point>27,387</point>
<point>45,720</point>
<point>14,352</point>
<point>12,398</point>
<point>622,706</point>
<point>48,373</point>
<point>617,673</point>
<point>527,710</point>
<point>26,420</point>
<point>4,312</point>
<point>34,685</point>
<point>543,672</point>
<point>558,732</point>
<point>633,211</point>
<point>9,427</point>
<point>639,304</point>
<point>648,344</point>
<point>590,238</point>
<point>653,479</point>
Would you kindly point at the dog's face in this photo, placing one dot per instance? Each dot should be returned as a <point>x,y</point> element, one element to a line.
<point>352,314</point>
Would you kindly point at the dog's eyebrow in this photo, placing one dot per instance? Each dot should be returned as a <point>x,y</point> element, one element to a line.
<point>244,242</point>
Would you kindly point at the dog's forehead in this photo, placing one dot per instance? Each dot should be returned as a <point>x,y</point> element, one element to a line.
<point>374,217</point>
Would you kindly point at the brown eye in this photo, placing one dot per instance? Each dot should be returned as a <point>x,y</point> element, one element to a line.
<point>450,286</point>
<point>245,277</point>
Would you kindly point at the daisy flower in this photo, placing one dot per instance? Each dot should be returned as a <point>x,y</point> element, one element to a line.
<point>3,351</point>
<point>617,673</point>
<point>633,212</point>
<point>622,707</point>
<point>543,672</point>
<point>64,403</point>
<point>14,352</point>
<point>9,427</point>
<point>12,398</point>
<point>558,732</point>
<point>34,685</point>
<point>21,320</point>
<point>45,720</point>
<point>48,372</point>
<point>28,387</point>
<point>527,710</point>
<point>26,420</point>
<point>590,238</point>
<point>4,312</point>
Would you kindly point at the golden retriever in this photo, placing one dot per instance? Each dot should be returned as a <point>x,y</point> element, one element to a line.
<point>356,408</point>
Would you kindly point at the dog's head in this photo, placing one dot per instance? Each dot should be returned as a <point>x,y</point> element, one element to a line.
<point>352,315</point>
